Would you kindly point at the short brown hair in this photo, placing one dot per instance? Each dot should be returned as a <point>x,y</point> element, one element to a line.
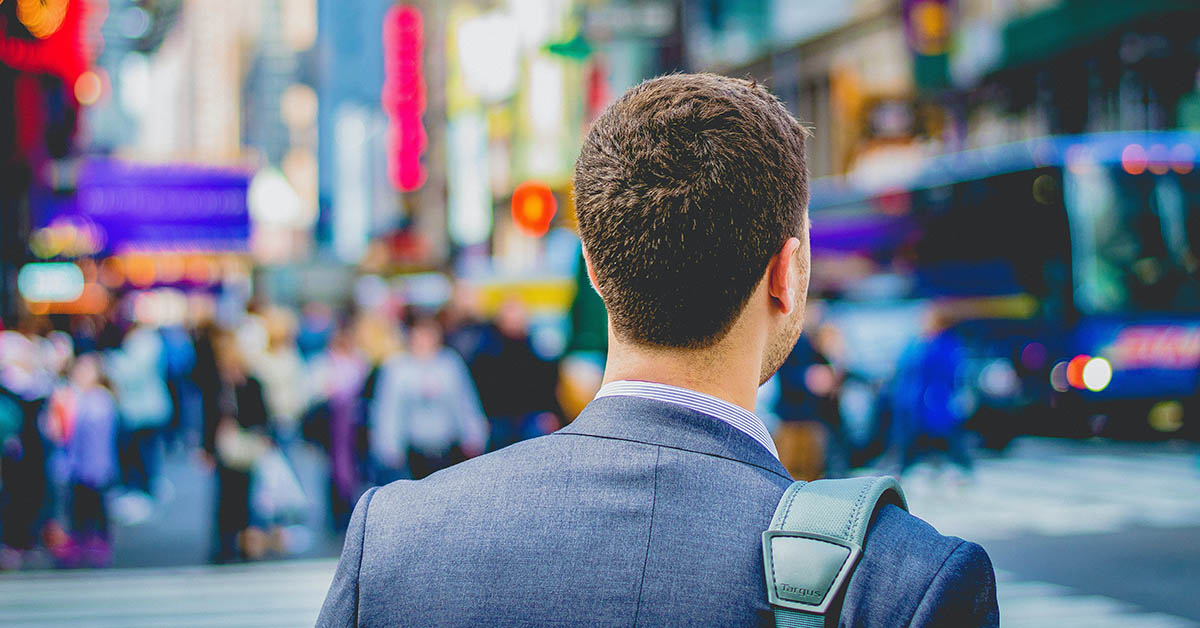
<point>684,188</point>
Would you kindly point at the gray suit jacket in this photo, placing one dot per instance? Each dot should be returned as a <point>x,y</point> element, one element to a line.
<point>640,513</point>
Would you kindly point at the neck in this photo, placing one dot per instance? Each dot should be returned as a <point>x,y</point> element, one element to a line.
<point>725,370</point>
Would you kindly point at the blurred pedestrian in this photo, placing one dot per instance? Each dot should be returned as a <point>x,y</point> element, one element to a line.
<point>57,424</point>
<point>516,386</point>
<point>283,374</point>
<point>206,377</point>
<point>809,433</point>
<point>461,318</point>
<point>92,464</point>
<point>377,339</point>
<point>137,371</point>
<point>930,402</point>
<point>426,414</point>
<point>180,357</point>
<point>236,429</point>
<point>23,472</point>
<point>317,327</point>
<point>339,374</point>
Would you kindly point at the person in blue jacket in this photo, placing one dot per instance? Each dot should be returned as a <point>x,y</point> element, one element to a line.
<point>930,400</point>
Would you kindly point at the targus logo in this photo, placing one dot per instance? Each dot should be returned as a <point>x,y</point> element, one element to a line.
<point>787,588</point>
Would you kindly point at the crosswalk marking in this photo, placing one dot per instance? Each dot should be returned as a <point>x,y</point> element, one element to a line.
<point>1030,604</point>
<point>1059,493</point>
<point>260,595</point>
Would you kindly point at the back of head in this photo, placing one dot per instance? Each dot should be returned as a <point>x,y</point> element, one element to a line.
<point>684,188</point>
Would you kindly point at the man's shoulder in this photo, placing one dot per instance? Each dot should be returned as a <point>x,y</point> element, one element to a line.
<point>510,479</point>
<point>896,531</point>
<point>910,574</point>
<point>559,458</point>
<point>480,472</point>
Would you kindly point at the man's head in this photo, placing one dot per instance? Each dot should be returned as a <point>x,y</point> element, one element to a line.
<point>688,190</point>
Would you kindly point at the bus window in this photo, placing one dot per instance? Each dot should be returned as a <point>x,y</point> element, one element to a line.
<point>999,235</point>
<point>1135,239</point>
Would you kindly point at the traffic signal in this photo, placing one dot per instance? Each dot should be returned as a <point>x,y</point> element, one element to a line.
<point>533,207</point>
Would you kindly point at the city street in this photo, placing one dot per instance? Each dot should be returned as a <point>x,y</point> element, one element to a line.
<point>1082,534</point>
<point>256,256</point>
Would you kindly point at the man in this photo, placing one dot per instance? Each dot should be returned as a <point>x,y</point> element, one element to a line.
<point>648,510</point>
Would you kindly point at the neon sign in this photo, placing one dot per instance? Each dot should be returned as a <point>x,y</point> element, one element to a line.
<point>403,96</point>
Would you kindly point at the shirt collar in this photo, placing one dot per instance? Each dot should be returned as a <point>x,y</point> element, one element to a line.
<point>743,420</point>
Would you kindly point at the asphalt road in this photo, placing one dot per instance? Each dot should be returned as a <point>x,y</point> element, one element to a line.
<point>1152,568</point>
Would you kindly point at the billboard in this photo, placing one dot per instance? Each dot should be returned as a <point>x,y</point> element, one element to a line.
<point>135,207</point>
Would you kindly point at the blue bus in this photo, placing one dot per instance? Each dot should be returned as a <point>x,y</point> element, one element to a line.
<point>1070,266</point>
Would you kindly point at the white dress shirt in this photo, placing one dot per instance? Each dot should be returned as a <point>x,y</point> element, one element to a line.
<point>740,418</point>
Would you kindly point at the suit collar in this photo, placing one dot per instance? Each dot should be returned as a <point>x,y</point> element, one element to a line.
<point>670,425</point>
<point>744,420</point>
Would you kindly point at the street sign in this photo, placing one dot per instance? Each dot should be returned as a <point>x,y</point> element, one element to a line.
<point>50,282</point>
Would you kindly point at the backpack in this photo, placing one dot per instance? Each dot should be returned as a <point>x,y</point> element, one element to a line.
<point>814,543</point>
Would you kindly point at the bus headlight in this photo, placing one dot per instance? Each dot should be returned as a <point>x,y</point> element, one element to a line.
<point>1097,374</point>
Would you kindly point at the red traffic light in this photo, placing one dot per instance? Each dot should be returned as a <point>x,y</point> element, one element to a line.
<point>533,207</point>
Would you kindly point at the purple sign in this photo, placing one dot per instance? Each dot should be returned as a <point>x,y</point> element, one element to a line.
<point>867,234</point>
<point>137,207</point>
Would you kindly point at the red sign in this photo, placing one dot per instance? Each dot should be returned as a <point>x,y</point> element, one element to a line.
<point>533,207</point>
<point>62,52</point>
<point>403,95</point>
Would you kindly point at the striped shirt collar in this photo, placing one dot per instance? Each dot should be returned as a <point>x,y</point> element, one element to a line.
<point>740,418</point>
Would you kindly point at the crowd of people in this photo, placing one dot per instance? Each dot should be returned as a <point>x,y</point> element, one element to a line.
<point>91,405</point>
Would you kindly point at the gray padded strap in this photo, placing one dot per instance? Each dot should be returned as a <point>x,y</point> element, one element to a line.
<point>815,541</point>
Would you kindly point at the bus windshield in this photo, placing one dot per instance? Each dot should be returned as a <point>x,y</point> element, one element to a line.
<point>998,236</point>
<point>1135,238</point>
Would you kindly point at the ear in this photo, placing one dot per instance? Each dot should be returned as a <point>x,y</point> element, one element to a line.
<point>786,275</point>
<point>587,263</point>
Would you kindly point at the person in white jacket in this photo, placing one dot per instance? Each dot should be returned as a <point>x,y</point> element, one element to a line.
<point>426,414</point>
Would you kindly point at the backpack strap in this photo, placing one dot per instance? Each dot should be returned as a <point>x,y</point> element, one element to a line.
<point>815,541</point>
